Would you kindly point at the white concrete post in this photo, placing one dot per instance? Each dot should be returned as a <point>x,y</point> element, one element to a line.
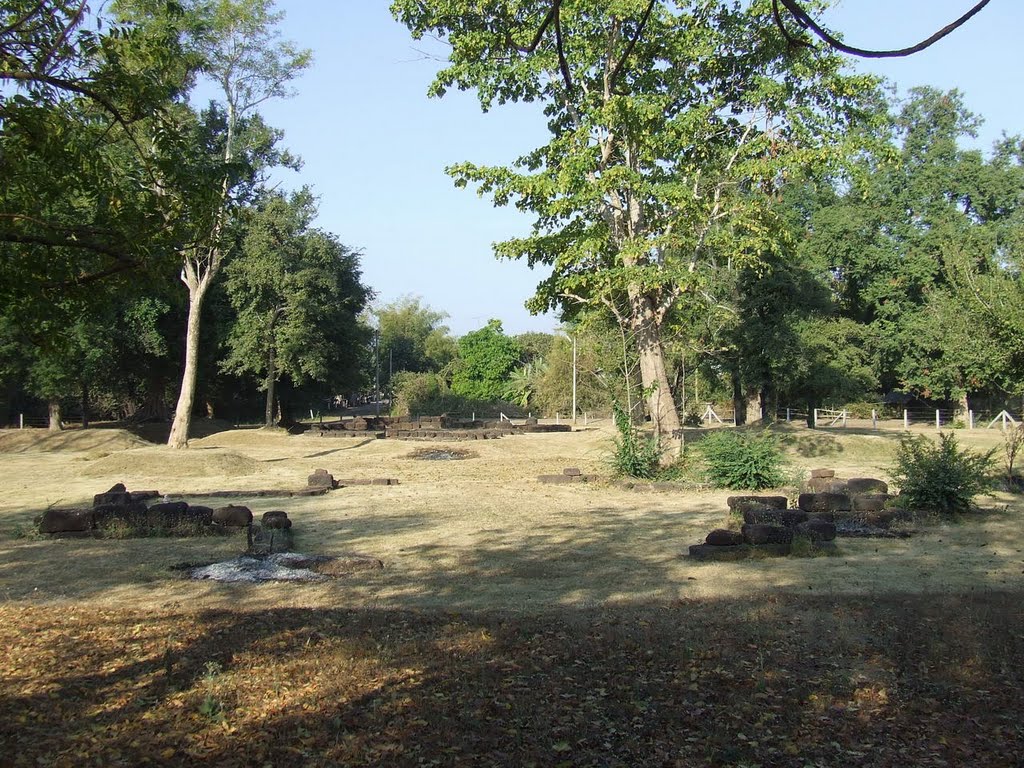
<point>874,419</point>
<point>814,419</point>
<point>938,419</point>
<point>970,419</point>
<point>906,419</point>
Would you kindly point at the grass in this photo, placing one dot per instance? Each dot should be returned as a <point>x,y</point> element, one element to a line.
<point>782,681</point>
<point>514,623</point>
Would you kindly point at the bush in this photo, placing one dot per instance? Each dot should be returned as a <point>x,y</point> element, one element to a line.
<point>636,455</point>
<point>939,477</point>
<point>742,460</point>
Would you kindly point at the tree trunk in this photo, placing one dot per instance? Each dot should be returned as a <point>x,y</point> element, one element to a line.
<point>187,395</point>
<point>271,378</point>
<point>85,405</point>
<point>739,401</point>
<point>653,373</point>
<point>963,406</point>
<point>54,407</point>
<point>753,407</point>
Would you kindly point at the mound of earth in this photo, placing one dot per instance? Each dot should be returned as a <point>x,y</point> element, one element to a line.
<point>158,431</point>
<point>156,462</point>
<point>42,440</point>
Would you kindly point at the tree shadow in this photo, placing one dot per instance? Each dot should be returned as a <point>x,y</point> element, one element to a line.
<point>777,681</point>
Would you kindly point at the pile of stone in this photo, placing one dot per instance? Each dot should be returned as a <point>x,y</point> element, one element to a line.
<point>323,480</point>
<point>444,427</point>
<point>569,475</point>
<point>829,507</point>
<point>768,529</point>
<point>128,512</point>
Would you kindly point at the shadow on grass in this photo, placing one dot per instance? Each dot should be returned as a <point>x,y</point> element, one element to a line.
<point>877,681</point>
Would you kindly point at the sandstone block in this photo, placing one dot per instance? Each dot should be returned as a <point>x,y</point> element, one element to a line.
<point>723,538</point>
<point>858,485</point>
<point>767,534</point>
<point>232,516</point>
<point>742,503</point>
<point>815,503</point>
<point>787,517</point>
<point>66,520</point>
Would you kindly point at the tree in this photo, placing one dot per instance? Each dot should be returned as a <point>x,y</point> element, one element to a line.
<point>909,242</point>
<point>298,296</point>
<point>243,55</point>
<point>486,359</point>
<point>412,337</point>
<point>666,146</point>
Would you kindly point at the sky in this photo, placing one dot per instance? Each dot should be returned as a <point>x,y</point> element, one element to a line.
<point>375,147</point>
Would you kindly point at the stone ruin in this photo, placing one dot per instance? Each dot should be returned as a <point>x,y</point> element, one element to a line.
<point>433,428</point>
<point>569,475</point>
<point>125,512</point>
<point>830,507</point>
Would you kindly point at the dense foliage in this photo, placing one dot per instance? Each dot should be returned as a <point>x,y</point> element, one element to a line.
<point>940,477</point>
<point>741,460</point>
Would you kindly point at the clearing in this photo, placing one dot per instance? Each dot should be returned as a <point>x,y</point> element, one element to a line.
<point>514,622</point>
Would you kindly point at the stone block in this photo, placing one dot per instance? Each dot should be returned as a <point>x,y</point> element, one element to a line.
<point>787,517</point>
<point>555,479</point>
<point>825,485</point>
<point>320,478</point>
<point>198,514</point>
<point>767,534</point>
<point>859,485</point>
<point>817,530</point>
<point>166,514</point>
<point>742,503</point>
<point>572,471</point>
<point>709,552</point>
<point>66,520</point>
<point>870,502</point>
<point>822,474</point>
<point>232,515</point>
<point>112,498</point>
<point>723,538</point>
<point>816,503</point>
<point>276,519</point>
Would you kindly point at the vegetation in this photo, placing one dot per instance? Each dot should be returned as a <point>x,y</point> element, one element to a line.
<point>940,477</point>
<point>742,460</point>
<point>636,454</point>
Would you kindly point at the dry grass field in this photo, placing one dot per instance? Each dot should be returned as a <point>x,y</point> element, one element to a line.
<point>514,622</point>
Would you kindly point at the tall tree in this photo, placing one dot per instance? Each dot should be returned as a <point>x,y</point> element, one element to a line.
<point>243,55</point>
<point>670,127</point>
<point>412,337</point>
<point>298,297</point>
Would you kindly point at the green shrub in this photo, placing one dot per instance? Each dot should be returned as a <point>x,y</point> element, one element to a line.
<point>742,460</point>
<point>939,477</point>
<point>635,455</point>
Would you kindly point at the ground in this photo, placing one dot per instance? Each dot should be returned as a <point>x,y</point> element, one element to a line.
<point>514,622</point>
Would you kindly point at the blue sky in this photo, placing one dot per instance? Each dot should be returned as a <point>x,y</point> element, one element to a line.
<point>375,147</point>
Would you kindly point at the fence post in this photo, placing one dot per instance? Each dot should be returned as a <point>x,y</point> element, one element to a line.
<point>814,419</point>
<point>21,421</point>
<point>938,420</point>
<point>906,420</point>
<point>874,419</point>
<point>787,415</point>
<point>970,419</point>
<point>557,417</point>
<point>584,418</point>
